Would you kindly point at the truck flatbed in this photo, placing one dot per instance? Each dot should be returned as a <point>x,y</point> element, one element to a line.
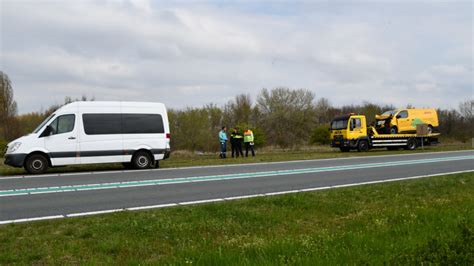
<point>400,140</point>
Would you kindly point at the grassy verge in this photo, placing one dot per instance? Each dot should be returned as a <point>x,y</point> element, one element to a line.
<point>183,159</point>
<point>410,222</point>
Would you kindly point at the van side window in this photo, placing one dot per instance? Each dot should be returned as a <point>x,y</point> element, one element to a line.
<point>63,124</point>
<point>142,124</point>
<point>403,114</point>
<point>104,124</point>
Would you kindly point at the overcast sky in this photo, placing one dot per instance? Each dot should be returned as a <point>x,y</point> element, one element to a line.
<point>190,53</point>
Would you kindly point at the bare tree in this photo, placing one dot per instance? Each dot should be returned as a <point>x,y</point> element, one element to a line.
<point>8,107</point>
<point>465,108</point>
<point>324,111</point>
<point>239,110</point>
<point>288,116</point>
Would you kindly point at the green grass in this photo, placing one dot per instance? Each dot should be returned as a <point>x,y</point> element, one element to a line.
<point>184,159</point>
<point>411,222</point>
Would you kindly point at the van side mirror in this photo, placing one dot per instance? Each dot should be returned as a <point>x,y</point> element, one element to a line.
<point>47,132</point>
<point>399,116</point>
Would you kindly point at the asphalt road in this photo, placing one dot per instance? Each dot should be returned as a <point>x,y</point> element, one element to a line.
<point>29,198</point>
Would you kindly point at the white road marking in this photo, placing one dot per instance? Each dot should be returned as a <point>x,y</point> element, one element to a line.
<point>282,192</point>
<point>314,189</point>
<point>152,207</point>
<point>33,219</point>
<point>200,201</point>
<point>93,213</point>
<point>228,165</point>
<point>245,197</point>
<point>227,198</point>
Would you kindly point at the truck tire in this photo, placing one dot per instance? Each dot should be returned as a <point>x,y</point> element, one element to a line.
<point>393,130</point>
<point>141,160</point>
<point>36,164</point>
<point>411,145</point>
<point>345,149</point>
<point>363,146</point>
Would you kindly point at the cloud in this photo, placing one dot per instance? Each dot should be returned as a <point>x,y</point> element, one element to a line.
<point>193,53</point>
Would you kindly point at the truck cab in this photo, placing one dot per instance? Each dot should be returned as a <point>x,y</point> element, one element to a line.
<point>347,131</point>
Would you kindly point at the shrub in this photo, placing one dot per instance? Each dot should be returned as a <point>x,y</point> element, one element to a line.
<point>320,135</point>
<point>3,147</point>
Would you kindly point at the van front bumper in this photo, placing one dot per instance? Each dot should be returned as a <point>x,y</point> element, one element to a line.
<point>15,160</point>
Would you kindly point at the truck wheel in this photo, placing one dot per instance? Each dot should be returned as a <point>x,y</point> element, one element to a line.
<point>411,144</point>
<point>363,146</point>
<point>393,130</point>
<point>36,164</point>
<point>141,160</point>
<point>345,149</point>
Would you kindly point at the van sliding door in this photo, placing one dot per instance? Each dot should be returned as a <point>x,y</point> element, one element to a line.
<point>101,139</point>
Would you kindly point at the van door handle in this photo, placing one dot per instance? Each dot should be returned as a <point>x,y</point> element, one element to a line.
<point>71,138</point>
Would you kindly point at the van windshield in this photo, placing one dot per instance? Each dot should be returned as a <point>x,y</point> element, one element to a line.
<point>339,124</point>
<point>43,123</point>
<point>389,113</point>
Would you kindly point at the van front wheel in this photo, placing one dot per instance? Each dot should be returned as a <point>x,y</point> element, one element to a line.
<point>141,160</point>
<point>393,130</point>
<point>36,164</point>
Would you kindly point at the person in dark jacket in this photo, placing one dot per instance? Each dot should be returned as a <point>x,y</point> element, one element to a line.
<point>236,142</point>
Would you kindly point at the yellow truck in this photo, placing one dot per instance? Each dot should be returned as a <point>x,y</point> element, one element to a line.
<point>350,132</point>
<point>406,120</point>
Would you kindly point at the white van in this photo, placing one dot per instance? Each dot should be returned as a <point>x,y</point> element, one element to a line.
<point>136,134</point>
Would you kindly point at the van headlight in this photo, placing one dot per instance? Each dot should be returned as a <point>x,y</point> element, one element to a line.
<point>12,148</point>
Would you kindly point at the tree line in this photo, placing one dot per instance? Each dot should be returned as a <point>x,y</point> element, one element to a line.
<point>280,117</point>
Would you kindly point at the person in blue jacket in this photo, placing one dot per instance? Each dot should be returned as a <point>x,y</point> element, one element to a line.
<point>223,141</point>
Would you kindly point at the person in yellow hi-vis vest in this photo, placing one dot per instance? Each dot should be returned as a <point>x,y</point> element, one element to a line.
<point>248,141</point>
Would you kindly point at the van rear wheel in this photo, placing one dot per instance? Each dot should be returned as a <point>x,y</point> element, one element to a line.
<point>141,160</point>
<point>36,164</point>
